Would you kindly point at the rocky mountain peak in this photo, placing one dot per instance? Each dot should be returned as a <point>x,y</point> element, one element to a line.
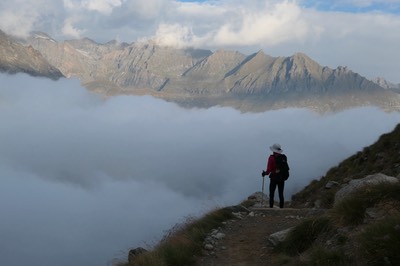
<point>303,61</point>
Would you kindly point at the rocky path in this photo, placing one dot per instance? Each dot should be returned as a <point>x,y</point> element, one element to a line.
<point>245,241</point>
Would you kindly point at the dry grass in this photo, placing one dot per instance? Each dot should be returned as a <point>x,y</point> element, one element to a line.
<point>183,242</point>
<point>351,211</point>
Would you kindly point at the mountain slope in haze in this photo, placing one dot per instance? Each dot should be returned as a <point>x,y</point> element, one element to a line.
<point>16,58</point>
<point>383,156</point>
<point>201,78</point>
<point>387,85</point>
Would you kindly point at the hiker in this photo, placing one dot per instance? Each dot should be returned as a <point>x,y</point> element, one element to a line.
<point>278,172</point>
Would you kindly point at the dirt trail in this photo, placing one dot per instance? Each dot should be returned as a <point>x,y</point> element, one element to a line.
<point>246,241</point>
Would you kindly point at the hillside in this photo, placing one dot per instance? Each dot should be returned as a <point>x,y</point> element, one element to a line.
<point>381,157</point>
<point>361,227</point>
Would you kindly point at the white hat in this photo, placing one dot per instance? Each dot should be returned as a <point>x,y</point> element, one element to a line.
<point>276,148</point>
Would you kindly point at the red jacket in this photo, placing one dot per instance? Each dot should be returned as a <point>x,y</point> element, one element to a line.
<point>271,165</point>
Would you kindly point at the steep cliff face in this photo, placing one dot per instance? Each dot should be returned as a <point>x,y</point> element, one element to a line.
<point>16,58</point>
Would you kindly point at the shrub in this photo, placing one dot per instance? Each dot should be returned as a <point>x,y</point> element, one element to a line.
<point>350,211</point>
<point>301,237</point>
<point>183,242</point>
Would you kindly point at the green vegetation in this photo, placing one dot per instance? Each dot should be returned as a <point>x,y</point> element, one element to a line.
<point>323,256</point>
<point>380,242</point>
<point>181,245</point>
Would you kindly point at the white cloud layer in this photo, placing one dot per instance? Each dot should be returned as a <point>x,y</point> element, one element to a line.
<point>330,32</point>
<point>85,179</point>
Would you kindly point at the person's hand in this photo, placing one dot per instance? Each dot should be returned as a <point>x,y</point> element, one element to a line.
<point>263,173</point>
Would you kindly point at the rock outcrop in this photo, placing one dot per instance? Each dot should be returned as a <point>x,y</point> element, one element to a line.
<point>15,58</point>
<point>356,184</point>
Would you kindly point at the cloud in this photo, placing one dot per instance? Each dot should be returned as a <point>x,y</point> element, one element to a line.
<point>104,7</point>
<point>19,17</point>
<point>271,25</point>
<point>70,30</point>
<point>174,35</point>
<point>351,36</point>
<point>149,9</point>
<point>83,176</point>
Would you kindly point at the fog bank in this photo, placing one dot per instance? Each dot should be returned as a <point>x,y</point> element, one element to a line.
<point>83,179</point>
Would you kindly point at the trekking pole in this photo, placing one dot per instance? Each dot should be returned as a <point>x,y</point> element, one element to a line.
<point>262,192</point>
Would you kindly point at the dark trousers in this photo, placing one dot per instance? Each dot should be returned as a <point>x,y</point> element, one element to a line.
<point>272,188</point>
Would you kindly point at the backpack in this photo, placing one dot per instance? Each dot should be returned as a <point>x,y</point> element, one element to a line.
<point>282,167</point>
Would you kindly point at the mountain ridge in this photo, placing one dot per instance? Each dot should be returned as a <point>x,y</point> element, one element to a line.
<point>202,78</point>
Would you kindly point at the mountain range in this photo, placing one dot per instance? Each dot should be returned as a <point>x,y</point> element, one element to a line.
<point>196,77</point>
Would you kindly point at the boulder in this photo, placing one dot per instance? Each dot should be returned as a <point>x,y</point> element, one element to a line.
<point>331,184</point>
<point>278,237</point>
<point>355,184</point>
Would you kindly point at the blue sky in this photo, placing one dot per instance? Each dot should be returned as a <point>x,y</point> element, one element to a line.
<point>355,6</point>
<point>359,34</point>
<point>344,6</point>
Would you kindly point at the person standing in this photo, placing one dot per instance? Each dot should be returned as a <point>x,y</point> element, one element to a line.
<point>277,176</point>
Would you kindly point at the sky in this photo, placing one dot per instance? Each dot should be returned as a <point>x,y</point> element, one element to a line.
<point>83,179</point>
<point>360,34</point>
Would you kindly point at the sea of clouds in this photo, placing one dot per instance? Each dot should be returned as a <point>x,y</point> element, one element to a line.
<point>83,179</point>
